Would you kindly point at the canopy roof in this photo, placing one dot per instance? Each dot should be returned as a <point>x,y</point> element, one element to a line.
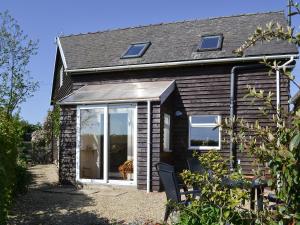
<point>120,92</point>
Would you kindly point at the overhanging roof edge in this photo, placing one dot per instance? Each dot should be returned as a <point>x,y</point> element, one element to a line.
<point>140,91</point>
<point>180,63</point>
<point>110,101</point>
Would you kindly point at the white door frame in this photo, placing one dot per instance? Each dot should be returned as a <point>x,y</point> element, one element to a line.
<point>105,179</point>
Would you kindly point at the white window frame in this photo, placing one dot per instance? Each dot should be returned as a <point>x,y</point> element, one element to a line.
<point>167,126</point>
<point>203,125</point>
<point>61,76</point>
<point>105,179</point>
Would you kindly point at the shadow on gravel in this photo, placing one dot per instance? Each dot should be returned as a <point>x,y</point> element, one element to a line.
<point>40,207</point>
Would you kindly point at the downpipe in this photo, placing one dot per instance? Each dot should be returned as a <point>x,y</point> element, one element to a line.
<point>233,88</point>
<point>232,113</point>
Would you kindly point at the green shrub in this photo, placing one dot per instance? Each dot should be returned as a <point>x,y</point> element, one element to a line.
<point>218,204</point>
<point>23,178</point>
<point>10,133</point>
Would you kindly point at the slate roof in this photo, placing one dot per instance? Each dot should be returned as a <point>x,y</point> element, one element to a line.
<point>171,42</point>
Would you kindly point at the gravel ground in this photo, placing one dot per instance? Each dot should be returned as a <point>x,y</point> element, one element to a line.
<point>48,203</point>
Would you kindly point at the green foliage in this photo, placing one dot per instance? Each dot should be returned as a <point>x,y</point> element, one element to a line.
<point>56,120</point>
<point>199,213</point>
<point>14,177</point>
<point>269,32</point>
<point>10,137</point>
<point>278,145</point>
<point>218,204</point>
<point>41,139</point>
<point>279,148</point>
<point>51,125</point>
<point>16,49</point>
<point>28,127</point>
<point>16,86</point>
<point>23,178</point>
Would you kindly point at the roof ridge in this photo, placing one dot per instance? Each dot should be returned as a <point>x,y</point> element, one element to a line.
<point>167,23</point>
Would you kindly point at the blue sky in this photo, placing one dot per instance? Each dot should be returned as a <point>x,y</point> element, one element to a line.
<point>44,20</point>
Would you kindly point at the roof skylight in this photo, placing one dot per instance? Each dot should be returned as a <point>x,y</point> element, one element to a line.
<point>136,50</point>
<point>210,42</point>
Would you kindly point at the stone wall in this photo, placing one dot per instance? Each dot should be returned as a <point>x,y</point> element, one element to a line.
<point>67,149</point>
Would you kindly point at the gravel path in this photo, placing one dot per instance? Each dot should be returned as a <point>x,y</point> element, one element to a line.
<point>47,203</point>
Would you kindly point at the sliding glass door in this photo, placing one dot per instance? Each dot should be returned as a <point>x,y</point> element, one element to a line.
<point>120,156</point>
<point>106,143</point>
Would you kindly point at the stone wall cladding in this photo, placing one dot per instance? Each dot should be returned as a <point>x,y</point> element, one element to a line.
<point>67,153</point>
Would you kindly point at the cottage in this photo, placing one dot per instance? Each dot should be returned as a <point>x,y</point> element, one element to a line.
<point>132,97</point>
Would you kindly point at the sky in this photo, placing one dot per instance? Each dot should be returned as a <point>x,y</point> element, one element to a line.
<point>47,19</point>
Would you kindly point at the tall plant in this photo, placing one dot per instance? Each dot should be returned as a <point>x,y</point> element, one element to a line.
<point>16,85</point>
<point>16,49</point>
<point>278,145</point>
<point>10,136</point>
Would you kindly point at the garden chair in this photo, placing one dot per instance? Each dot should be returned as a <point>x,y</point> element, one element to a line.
<point>169,180</point>
<point>195,166</point>
<point>170,167</point>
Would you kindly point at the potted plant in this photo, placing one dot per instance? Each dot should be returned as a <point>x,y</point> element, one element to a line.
<point>126,170</point>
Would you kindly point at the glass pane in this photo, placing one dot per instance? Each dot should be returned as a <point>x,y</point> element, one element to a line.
<point>204,119</point>
<point>210,42</point>
<point>166,119</point>
<point>91,143</point>
<point>135,50</point>
<point>120,144</point>
<point>204,136</point>
<point>166,132</point>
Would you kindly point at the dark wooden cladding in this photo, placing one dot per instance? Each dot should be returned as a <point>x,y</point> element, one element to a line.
<point>142,145</point>
<point>66,88</point>
<point>249,111</point>
<point>200,90</point>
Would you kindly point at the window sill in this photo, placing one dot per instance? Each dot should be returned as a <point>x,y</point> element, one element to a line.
<point>205,148</point>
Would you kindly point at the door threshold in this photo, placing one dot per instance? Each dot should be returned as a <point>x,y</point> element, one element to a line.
<point>105,186</point>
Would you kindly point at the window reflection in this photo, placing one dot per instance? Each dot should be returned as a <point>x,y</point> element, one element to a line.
<point>91,143</point>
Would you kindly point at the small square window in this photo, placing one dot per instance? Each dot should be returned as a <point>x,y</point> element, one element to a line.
<point>213,42</point>
<point>136,50</point>
<point>203,133</point>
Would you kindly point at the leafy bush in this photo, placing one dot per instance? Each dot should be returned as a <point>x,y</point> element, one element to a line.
<point>218,203</point>
<point>23,178</point>
<point>14,177</point>
<point>279,148</point>
<point>10,133</point>
<point>38,137</point>
<point>42,138</point>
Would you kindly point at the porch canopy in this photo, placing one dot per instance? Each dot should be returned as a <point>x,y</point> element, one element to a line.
<point>120,92</point>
